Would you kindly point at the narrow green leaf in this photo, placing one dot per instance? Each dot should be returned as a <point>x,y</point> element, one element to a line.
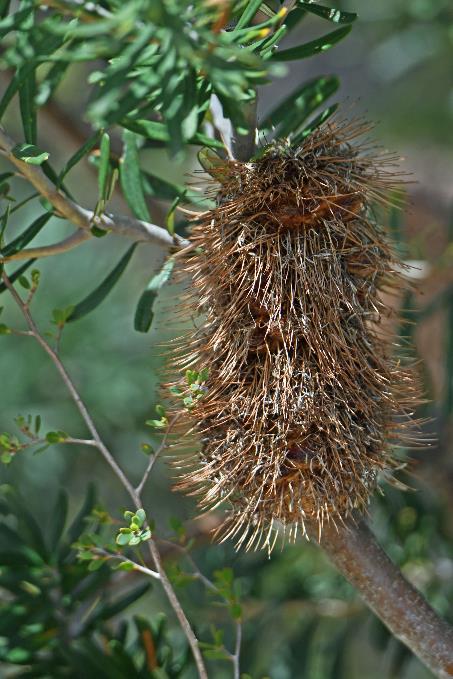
<point>295,17</point>
<point>308,49</point>
<point>78,525</point>
<point>301,103</point>
<point>30,154</point>
<point>144,312</point>
<point>26,236</point>
<point>164,190</point>
<point>51,81</point>
<point>213,163</point>
<point>4,8</point>
<point>170,217</point>
<point>14,85</point>
<point>319,120</point>
<point>13,21</point>
<point>94,299</point>
<point>158,131</point>
<point>266,45</point>
<point>104,164</point>
<point>248,14</point>
<point>17,273</point>
<point>27,107</point>
<point>58,521</point>
<point>78,155</point>
<point>107,611</point>
<point>131,178</point>
<point>329,13</point>
<point>4,222</point>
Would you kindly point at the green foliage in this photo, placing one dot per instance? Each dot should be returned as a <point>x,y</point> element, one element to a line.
<point>144,312</point>
<point>57,616</point>
<point>194,389</point>
<point>136,532</point>
<point>94,299</point>
<point>147,72</point>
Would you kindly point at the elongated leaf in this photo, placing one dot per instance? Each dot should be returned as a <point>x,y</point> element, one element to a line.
<point>308,49</point>
<point>248,14</point>
<point>51,81</point>
<point>131,178</point>
<point>301,103</point>
<point>17,273</point>
<point>59,516</point>
<point>4,8</point>
<point>329,13</point>
<point>265,48</point>
<point>158,131</point>
<point>295,17</point>
<point>319,120</point>
<point>78,155</point>
<point>78,525</point>
<point>144,312</point>
<point>107,611</point>
<point>164,190</point>
<point>448,402</point>
<point>213,164</point>
<point>26,236</point>
<point>29,528</point>
<point>13,21</point>
<point>95,298</point>
<point>27,105</point>
<point>29,153</point>
<point>104,164</point>
<point>14,85</point>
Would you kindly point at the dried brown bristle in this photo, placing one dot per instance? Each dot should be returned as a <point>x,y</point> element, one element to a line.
<point>304,398</point>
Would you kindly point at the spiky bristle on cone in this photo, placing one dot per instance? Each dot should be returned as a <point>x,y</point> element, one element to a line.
<point>304,398</point>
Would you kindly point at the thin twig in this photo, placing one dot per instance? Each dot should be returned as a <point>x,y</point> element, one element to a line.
<point>154,552</point>
<point>75,239</point>
<point>81,442</point>
<point>120,557</point>
<point>235,658</point>
<point>135,229</point>
<point>153,458</point>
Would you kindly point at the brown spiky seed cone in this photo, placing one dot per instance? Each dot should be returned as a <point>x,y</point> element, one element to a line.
<point>304,398</point>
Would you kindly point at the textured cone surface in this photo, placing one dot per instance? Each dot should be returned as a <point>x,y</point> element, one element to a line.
<point>304,398</point>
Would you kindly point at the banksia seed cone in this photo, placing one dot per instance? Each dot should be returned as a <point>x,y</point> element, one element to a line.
<point>304,399</point>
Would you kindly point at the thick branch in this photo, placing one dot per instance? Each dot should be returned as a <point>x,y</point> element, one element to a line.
<point>135,229</point>
<point>355,552</point>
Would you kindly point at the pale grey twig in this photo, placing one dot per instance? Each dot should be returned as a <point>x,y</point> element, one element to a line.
<point>75,239</point>
<point>153,458</point>
<point>119,473</point>
<point>135,229</point>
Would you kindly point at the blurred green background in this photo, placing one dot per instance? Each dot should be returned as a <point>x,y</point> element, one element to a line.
<point>301,618</point>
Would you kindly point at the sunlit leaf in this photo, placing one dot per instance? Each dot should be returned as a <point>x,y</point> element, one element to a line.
<point>329,13</point>
<point>308,49</point>
<point>30,154</point>
<point>131,177</point>
<point>104,164</point>
<point>295,109</point>
<point>319,120</point>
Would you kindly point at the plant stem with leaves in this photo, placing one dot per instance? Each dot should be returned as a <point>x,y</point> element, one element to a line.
<point>114,466</point>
